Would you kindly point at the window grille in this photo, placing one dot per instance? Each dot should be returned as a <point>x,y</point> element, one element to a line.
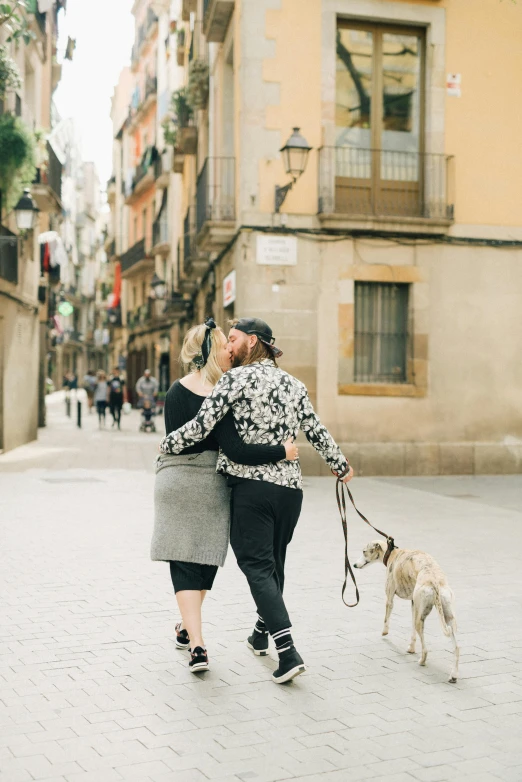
<point>382,340</point>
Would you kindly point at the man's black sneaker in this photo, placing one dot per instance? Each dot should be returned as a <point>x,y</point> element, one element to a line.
<point>182,638</point>
<point>198,660</point>
<point>290,665</point>
<point>258,642</point>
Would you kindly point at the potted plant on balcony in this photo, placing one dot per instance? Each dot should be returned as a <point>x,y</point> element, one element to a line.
<point>17,161</point>
<point>170,135</point>
<point>187,139</point>
<point>198,84</point>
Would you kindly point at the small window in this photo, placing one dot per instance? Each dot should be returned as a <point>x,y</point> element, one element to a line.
<point>18,105</point>
<point>381,332</point>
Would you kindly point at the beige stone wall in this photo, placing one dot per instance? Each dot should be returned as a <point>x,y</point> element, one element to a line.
<point>19,354</point>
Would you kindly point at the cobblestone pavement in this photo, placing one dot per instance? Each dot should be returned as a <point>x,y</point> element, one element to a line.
<point>93,689</point>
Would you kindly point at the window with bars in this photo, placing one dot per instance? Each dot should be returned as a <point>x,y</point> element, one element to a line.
<point>381,332</point>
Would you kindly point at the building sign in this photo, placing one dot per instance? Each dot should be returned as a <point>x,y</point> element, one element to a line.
<point>229,289</point>
<point>453,81</point>
<point>273,250</point>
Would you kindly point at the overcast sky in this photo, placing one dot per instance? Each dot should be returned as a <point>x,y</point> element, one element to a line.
<point>104,32</point>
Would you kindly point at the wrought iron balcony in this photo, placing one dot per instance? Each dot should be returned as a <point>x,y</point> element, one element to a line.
<point>8,256</point>
<point>151,86</point>
<point>134,256</point>
<point>216,17</point>
<point>385,183</point>
<point>215,192</point>
<point>160,235</point>
<point>47,184</point>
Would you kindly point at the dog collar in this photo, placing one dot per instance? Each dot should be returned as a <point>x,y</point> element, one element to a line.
<point>391,546</point>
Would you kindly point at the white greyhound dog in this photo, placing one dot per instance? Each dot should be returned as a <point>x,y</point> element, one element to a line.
<point>415,576</point>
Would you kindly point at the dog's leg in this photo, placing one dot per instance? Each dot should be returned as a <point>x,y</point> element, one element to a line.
<point>449,616</point>
<point>390,594</point>
<point>411,647</point>
<point>422,607</point>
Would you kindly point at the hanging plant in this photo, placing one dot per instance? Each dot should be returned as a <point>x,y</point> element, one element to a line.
<point>9,74</point>
<point>17,162</point>
<point>198,84</point>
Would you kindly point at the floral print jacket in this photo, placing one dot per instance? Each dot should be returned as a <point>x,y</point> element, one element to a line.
<point>268,406</point>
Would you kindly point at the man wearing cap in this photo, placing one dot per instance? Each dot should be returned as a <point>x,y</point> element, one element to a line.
<point>268,406</point>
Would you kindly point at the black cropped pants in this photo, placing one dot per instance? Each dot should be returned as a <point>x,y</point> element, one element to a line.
<point>263,518</point>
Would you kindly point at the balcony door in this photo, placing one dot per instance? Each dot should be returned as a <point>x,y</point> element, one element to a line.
<point>379,120</point>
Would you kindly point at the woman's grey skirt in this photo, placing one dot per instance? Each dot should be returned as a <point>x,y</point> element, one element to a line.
<point>191,510</point>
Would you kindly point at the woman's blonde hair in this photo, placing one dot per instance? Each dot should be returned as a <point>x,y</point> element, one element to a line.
<point>191,351</point>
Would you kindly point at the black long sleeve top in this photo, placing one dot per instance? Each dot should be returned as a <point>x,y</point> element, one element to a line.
<point>182,405</point>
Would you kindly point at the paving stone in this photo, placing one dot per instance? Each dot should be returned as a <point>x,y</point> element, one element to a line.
<point>93,689</point>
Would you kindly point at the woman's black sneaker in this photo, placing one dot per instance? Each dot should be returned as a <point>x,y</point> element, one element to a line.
<point>258,642</point>
<point>290,665</point>
<point>182,638</point>
<point>198,660</point>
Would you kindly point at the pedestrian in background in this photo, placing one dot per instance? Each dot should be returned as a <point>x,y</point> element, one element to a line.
<point>100,397</point>
<point>147,388</point>
<point>89,384</point>
<point>116,384</point>
<point>72,382</point>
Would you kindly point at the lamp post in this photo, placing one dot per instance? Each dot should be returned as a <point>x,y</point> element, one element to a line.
<point>25,212</point>
<point>295,157</point>
<point>159,287</point>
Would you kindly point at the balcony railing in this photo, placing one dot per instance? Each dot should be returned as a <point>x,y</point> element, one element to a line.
<point>8,256</point>
<point>139,316</point>
<point>151,86</point>
<point>142,169</point>
<point>133,256</point>
<point>215,192</point>
<point>160,232</point>
<point>52,175</point>
<point>385,183</point>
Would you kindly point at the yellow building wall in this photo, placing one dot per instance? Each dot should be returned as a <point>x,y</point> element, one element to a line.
<point>483,127</point>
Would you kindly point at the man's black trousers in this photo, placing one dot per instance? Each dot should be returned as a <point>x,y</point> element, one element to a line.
<point>263,519</point>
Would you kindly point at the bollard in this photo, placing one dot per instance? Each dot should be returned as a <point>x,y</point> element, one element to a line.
<point>68,406</point>
<point>79,411</point>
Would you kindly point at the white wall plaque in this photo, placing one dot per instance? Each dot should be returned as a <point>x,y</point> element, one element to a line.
<point>273,250</point>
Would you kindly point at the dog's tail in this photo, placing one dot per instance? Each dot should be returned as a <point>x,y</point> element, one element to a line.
<point>438,605</point>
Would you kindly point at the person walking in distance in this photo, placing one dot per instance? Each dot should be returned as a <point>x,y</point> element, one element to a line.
<point>116,384</point>
<point>147,388</point>
<point>89,384</point>
<point>100,397</point>
<point>268,406</point>
<point>191,501</point>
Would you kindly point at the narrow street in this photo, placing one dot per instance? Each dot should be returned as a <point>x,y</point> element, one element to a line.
<point>93,688</point>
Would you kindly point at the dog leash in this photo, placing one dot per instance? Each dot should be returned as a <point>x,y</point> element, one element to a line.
<point>341,504</point>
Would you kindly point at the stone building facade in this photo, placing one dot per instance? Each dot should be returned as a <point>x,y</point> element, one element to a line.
<point>391,272</point>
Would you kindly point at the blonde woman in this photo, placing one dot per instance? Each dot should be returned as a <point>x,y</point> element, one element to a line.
<point>191,500</point>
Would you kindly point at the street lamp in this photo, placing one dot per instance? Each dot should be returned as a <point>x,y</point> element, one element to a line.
<point>159,287</point>
<point>25,212</point>
<point>295,156</point>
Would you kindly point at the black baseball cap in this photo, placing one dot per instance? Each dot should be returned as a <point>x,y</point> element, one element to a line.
<point>262,331</point>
